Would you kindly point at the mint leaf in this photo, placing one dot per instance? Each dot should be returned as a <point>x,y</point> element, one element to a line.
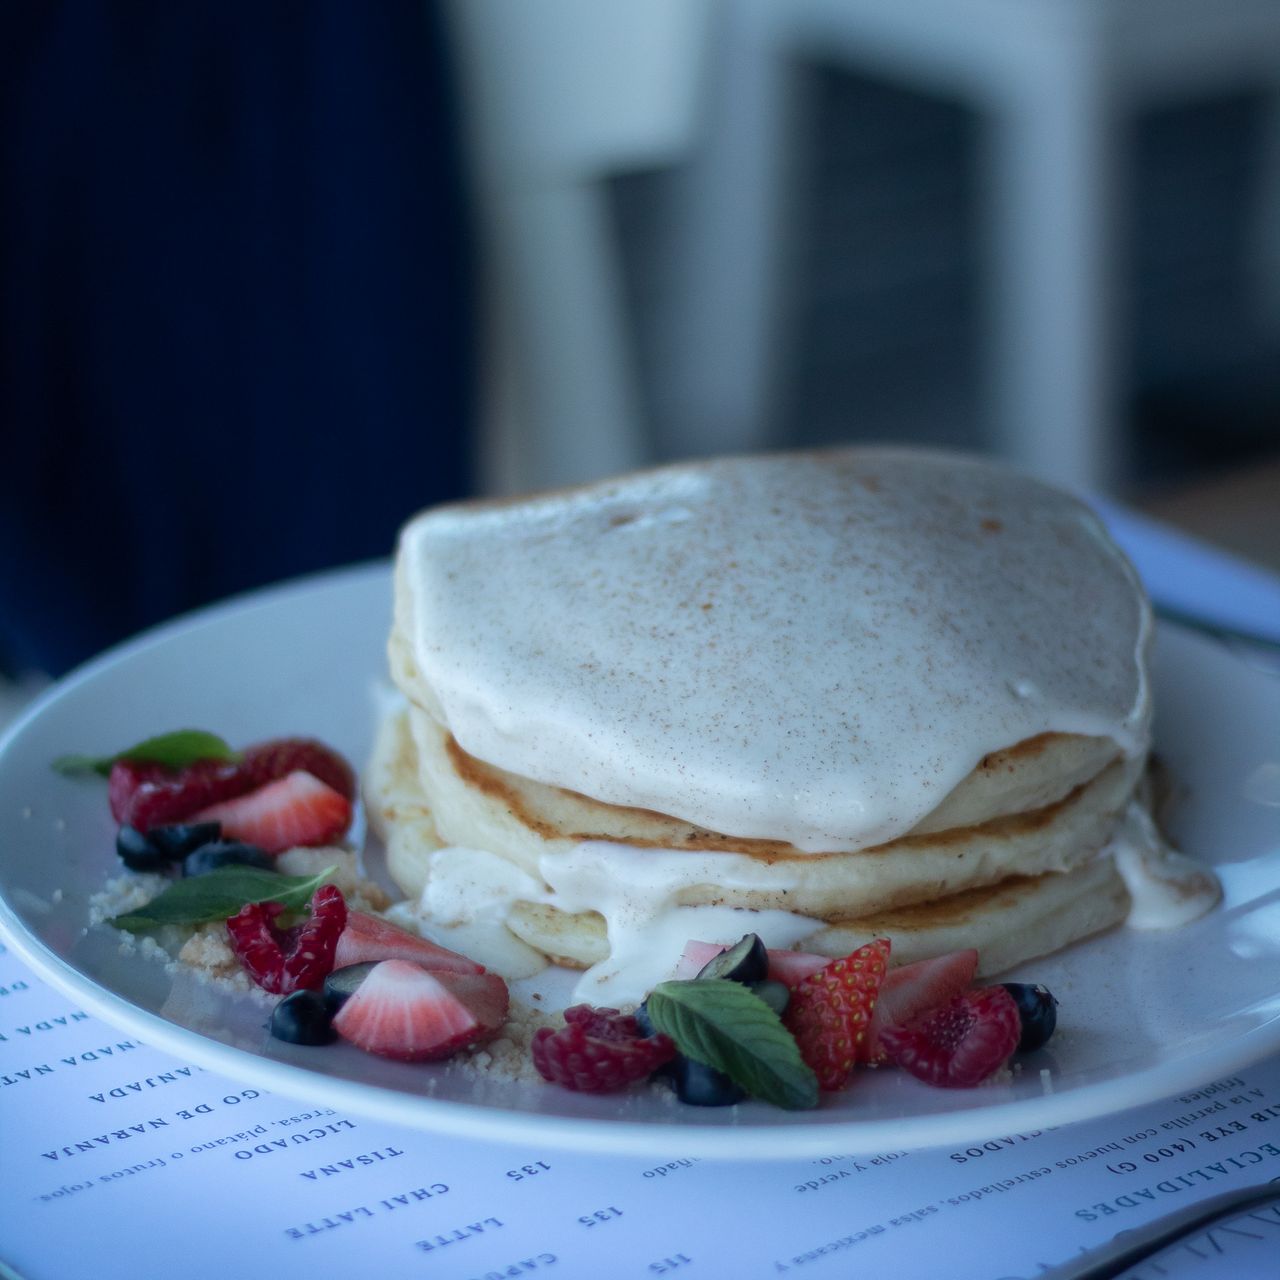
<point>723,1025</point>
<point>219,895</point>
<point>176,750</point>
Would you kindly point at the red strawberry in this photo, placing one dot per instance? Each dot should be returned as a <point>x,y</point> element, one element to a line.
<point>294,810</point>
<point>830,1011</point>
<point>402,1011</point>
<point>369,937</point>
<point>793,967</point>
<point>145,795</point>
<point>959,1044</point>
<point>125,779</point>
<point>914,989</point>
<point>598,1051</point>
<point>268,761</point>
<point>296,960</point>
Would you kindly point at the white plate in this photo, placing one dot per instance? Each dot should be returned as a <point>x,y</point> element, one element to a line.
<point>1142,1016</point>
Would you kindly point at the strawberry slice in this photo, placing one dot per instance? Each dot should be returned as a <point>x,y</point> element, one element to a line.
<point>267,761</point>
<point>401,1011</point>
<point>695,955</point>
<point>960,1044</point>
<point>294,810</point>
<point>368,937</point>
<point>913,989</point>
<point>830,1011</point>
<point>793,967</point>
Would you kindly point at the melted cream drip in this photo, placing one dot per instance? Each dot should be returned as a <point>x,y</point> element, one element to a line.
<point>638,892</point>
<point>1167,889</point>
<point>464,907</point>
<point>811,648</point>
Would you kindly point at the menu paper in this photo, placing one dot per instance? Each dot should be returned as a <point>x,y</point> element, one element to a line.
<point>151,1166</point>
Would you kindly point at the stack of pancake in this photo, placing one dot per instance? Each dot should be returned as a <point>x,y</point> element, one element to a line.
<point>825,697</point>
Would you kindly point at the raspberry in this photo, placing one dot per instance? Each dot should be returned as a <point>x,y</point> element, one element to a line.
<point>144,795</point>
<point>280,960</point>
<point>268,761</point>
<point>959,1044</point>
<point>598,1051</point>
<point>830,1011</point>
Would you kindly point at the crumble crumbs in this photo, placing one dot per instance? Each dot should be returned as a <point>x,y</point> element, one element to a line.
<point>507,1058</point>
<point>361,894</point>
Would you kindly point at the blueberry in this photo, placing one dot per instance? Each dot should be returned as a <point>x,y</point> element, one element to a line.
<point>645,1022</point>
<point>138,852</point>
<point>183,838</point>
<point>745,961</point>
<point>1038,1010</point>
<point>341,984</point>
<point>776,995</point>
<point>303,1018</point>
<point>701,1086</point>
<point>225,853</point>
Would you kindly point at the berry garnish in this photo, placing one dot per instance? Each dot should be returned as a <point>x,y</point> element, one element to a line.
<point>137,851</point>
<point>1038,1011</point>
<point>788,967</point>
<point>281,961</point>
<point>698,1085</point>
<point>913,989</point>
<point>280,757</point>
<point>369,937</point>
<point>303,1018</point>
<point>179,840</point>
<point>294,810</point>
<point>152,795</point>
<point>746,961</point>
<point>598,1051</point>
<point>960,1044</point>
<point>793,967</point>
<point>167,779</point>
<point>402,1011</point>
<point>341,983</point>
<point>831,1009</point>
<point>225,853</point>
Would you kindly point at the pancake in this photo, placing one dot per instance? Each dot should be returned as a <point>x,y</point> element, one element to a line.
<point>930,893</point>
<point>822,697</point>
<point>542,830</point>
<point>1009,923</point>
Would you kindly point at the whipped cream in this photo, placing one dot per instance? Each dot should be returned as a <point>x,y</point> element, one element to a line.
<point>464,906</point>
<point>1167,889</point>
<point>809,648</point>
<point>638,892</point>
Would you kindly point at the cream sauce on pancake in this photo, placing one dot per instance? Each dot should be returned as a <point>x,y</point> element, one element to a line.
<point>813,648</point>
<point>1167,889</point>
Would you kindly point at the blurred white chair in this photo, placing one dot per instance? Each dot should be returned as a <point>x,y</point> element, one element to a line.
<point>559,94</point>
<point>1058,81</point>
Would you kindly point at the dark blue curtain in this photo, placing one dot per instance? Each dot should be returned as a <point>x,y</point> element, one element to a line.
<point>235,303</point>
